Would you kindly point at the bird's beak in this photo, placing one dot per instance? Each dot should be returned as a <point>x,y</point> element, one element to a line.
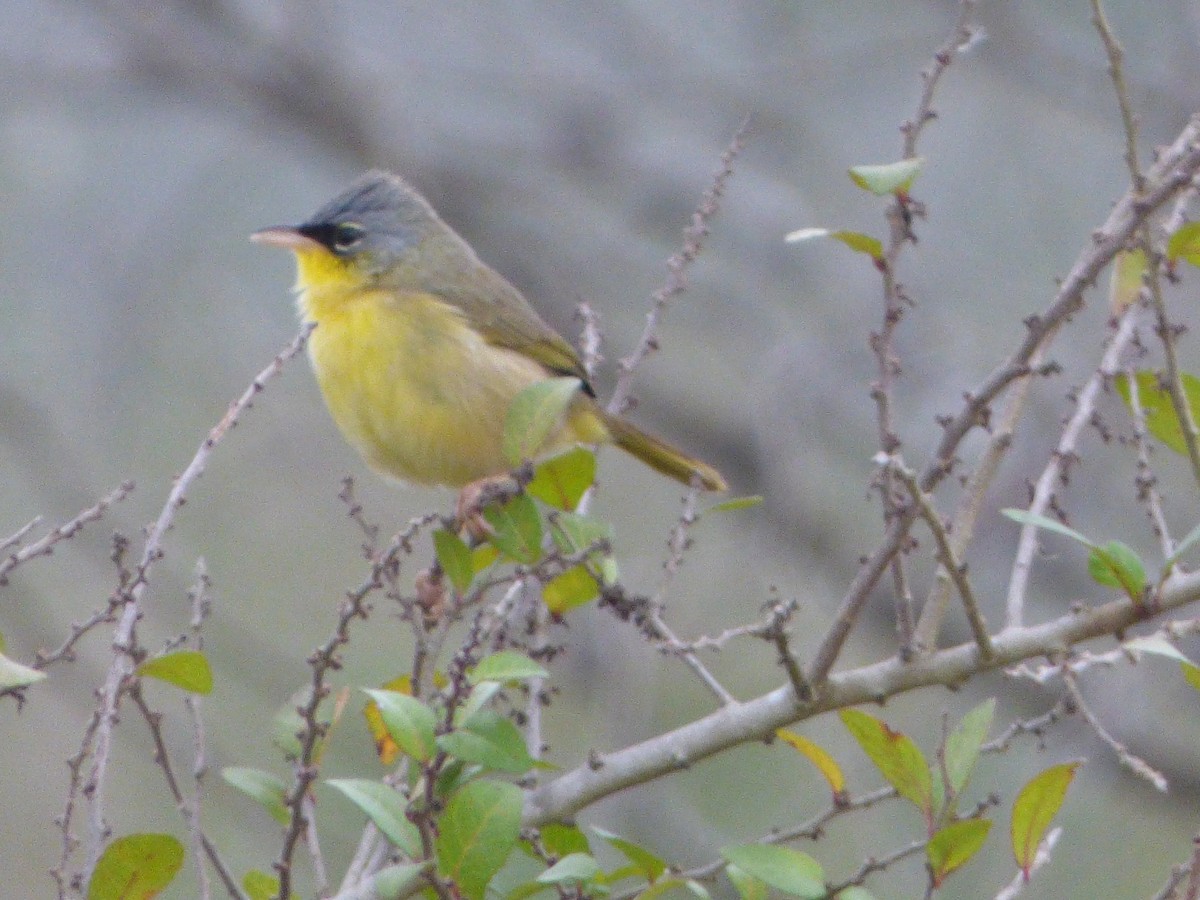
<point>286,237</point>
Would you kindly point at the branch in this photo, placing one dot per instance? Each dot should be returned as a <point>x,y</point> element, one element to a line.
<point>755,720</point>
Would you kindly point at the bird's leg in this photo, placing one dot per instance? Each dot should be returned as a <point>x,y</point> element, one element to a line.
<point>475,495</point>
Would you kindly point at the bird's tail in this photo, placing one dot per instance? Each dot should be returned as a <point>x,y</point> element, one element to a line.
<point>661,456</point>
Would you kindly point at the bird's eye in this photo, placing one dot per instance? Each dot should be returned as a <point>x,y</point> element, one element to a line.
<point>347,236</point>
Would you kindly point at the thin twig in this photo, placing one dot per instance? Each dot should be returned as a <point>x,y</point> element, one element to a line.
<point>956,569</point>
<point>98,743</point>
<point>44,546</point>
<point>676,283</point>
<point>1020,880</point>
<point>1129,760</point>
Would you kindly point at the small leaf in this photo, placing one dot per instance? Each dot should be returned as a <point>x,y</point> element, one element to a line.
<point>574,587</point>
<point>258,885</point>
<point>782,868</point>
<point>476,833</point>
<point>962,746</point>
<point>669,885</point>
<point>1125,283</point>
<point>1183,546</point>
<point>534,414</point>
<point>817,755</point>
<point>186,669</point>
<point>409,722</point>
<point>860,243</point>
<point>490,740</point>
<point>889,178</point>
<point>384,806</point>
<point>577,868</point>
<point>454,556</point>
<point>650,866</point>
<point>1159,411</point>
<point>1035,808</point>
<point>562,480</point>
<point>1115,565</point>
<point>1191,674</point>
<point>954,845</point>
<point>516,528</point>
<point>1025,517</point>
<point>136,867</point>
<point>507,665</point>
<point>269,790</point>
<point>1185,244</point>
<point>898,759</point>
<point>747,886</point>
<point>15,675</point>
<point>559,839</point>
<point>855,893</point>
<point>736,504</point>
<point>1155,644</point>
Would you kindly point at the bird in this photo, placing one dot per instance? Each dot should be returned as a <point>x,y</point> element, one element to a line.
<point>419,347</point>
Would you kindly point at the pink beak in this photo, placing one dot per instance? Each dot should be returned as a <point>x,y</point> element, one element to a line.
<point>286,237</point>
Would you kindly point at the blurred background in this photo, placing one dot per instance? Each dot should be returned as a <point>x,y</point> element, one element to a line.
<point>141,142</point>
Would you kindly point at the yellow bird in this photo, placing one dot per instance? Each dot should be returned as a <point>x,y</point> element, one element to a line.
<point>420,348</point>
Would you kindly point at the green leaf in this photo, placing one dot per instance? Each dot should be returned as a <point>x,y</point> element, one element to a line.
<point>1115,565</point>
<point>1191,674</point>
<point>577,868</point>
<point>855,893</point>
<point>409,722</point>
<point>747,886</point>
<point>574,533</point>
<point>15,675</point>
<point>1125,283</point>
<point>516,528</point>
<point>1034,809</point>
<point>534,414</point>
<point>269,790</point>
<point>490,740</point>
<point>476,833</point>
<point>1025,517</point>
<point>507,665</point>
<point>1185,244</point>
<point>258,885</point>
<point>397,880</point>
<point>286,724</point>
<point>136,867</point>
<point>860,243</point>
<point>962,746</point>
<point>735,504</point>
<point>898,759</point>
<point>667,885</point>
<point>650,866</point>
<point>782,868</point>
<point>954,845</point>
<point>559,839</point>
<point>384,806</point>
<point>186,669</point>
<point>562,480</point>
<point>1157,407</point>
<point>889,178</point>
<point>574,587</point>
<point>455,559</point>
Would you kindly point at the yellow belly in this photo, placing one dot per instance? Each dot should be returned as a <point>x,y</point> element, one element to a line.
<point>421,395</point>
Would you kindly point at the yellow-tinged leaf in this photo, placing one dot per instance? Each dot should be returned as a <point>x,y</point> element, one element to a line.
<point>186,669</point>
<point>258,885</point>
<point>1191,674</point>
<point>898,759</point>
<point>1035,808</point>
<point>825,763</point>
<point>386,748</point>
<point>572,588</point>
<point>136,867</point>
<point>1185,244</point>
<point>1125,283</point>
<point>954,845</point>
<point>860,243</point>
<point>736,504</point>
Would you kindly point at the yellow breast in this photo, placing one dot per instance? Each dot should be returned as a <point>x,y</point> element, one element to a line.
<point>418,392</point>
